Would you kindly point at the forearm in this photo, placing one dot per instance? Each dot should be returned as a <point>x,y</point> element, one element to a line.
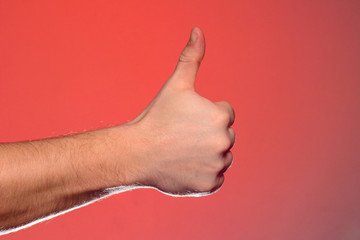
<point>43,177</point>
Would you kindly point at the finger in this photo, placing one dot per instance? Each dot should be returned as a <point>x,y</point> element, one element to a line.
<point>188,65</point>
<point>229,109</point>
<point>228,160</point>
<point>232,137</point>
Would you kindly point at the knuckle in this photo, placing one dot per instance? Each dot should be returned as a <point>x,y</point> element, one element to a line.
<point>229,163</point>
<point>228,109</point>
<point>214,184</point>
<point>206,186</point>
<point>227,104</point>
<point>222,117</point>
<point>210,185</point>
<point>220,180</point>
<point>231,134</point>
<point>230,157</point>
<point>185,57</point>
<point>222,143</point>
<point>218,165</point>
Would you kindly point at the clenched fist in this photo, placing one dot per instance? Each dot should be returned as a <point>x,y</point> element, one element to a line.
<point>186,138</point>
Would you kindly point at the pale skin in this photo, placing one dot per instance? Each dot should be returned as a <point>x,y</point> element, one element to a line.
<point>180,145</point>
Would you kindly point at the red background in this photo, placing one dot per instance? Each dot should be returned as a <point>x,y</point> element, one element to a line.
<point>290,69</point>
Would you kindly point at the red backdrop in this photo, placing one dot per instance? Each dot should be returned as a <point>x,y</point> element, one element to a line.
<point>290,69</point>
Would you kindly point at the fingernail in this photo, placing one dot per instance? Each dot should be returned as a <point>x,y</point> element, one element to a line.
<point>193,36</point>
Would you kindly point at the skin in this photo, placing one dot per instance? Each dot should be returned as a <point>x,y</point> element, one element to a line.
<point>180,145</point>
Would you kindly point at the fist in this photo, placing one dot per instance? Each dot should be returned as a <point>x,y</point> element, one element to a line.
<point>186,138</point>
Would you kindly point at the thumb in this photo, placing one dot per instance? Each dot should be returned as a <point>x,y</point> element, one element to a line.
<point>186,69</point>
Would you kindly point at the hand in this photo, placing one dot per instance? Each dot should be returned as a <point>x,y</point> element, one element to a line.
<point>186,138</point>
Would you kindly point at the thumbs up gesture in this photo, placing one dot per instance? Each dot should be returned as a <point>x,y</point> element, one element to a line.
<point>186,138</point>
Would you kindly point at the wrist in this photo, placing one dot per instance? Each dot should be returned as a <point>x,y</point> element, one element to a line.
<point>121,151</point>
